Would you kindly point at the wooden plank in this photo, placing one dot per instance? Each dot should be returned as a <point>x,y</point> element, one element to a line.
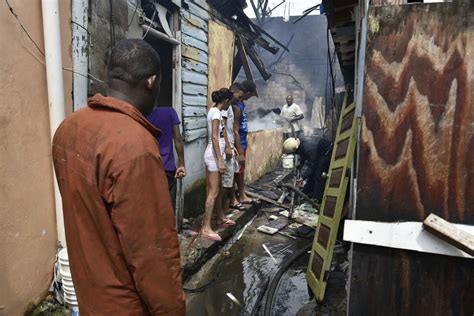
<point>191,19</point>
<point>194,77</point>
<point>195,32</point>
<point>195,54</point>
<point>194,42</point>
<point>263,198</point>
<point>194,66</point>
<point>196,122</point>
<point>198,10</point>
<point>416,156</point>
<point>194,100</point>
<point>401,235</point>
<point>456,235</point>
<point>194,89</point>
<point>221,55</point>
<point>194,134</point>
<point>194,111</point>
<point>244,59</point>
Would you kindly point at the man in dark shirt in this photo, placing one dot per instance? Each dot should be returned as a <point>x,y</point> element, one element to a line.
<point>315,153</point>
<point>166,119</point>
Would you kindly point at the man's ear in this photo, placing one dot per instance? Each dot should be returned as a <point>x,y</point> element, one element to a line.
<point>150,82</point>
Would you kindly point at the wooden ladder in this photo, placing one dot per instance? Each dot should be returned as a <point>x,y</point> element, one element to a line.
<point>333,201</point>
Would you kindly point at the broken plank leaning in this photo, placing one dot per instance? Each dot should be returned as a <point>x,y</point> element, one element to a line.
<point>450,233</point>
<point>263,198</point>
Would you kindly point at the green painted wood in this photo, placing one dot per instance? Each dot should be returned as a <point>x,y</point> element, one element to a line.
<point>333,203</point>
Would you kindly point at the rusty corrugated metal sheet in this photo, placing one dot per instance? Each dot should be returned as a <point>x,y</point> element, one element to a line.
<point>416,155</point>
<point>194,30</point>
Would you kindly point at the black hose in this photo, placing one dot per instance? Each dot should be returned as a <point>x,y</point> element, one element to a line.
<point>276,278</point>
<point>297,191</point>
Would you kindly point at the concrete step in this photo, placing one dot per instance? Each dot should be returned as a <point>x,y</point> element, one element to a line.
<point>196,251</point>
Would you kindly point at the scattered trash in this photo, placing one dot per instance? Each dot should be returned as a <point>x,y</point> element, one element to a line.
<point>267,230</point>
<point>287,235</point>
<point>273,217</point>
<point>295,225</point>
<point>233,299</point>
<point>269,253</point>
<point>344,266</point>
<point>306,207</point>
<point>188,233</point>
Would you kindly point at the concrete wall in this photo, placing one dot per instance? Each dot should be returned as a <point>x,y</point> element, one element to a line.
<point>27,219</point>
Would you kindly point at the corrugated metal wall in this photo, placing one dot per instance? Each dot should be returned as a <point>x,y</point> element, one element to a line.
<point>194,30</point>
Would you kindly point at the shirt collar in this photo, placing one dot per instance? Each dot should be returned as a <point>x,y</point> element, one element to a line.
<point>99,101</point>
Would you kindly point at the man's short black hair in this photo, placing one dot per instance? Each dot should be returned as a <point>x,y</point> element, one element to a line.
<point>236,87</point>
<point>248,86</point>
<point>133,60</point>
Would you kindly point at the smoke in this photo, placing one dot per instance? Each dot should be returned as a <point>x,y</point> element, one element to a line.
<point>267,122</point>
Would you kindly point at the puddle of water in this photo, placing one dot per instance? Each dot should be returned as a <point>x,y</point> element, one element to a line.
<point>245,274</point>
<point>292,293</point>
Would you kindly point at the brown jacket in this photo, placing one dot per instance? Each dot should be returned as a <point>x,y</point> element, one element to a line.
<point>122,243</point>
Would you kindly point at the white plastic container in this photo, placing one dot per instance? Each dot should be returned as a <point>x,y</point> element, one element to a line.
<point>68,286</point>
<point>288,161</point>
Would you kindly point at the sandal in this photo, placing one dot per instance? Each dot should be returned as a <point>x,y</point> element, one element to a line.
<point>227,223</point>
<point>247,202</point>
<point>238,206</point>
<point>212,236</point>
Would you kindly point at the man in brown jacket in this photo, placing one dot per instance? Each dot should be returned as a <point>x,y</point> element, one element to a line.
<point>122,243</point>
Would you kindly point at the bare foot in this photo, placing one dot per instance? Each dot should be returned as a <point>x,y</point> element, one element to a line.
<point>246,200</point>
<point>211,235</point>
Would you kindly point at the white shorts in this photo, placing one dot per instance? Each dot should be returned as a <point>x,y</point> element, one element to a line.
<point>210,159</point>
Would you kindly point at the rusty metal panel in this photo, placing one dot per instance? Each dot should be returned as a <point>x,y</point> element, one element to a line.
<point>416,155</point>
<point>221,56</point>
<point>195,61</point>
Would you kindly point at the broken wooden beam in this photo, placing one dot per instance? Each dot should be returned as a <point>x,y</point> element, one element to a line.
<point>263,198</point>
<point>243,58</point>
<point>450,233</point>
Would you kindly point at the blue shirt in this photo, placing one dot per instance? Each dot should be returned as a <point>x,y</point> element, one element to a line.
<point>165,118</point>
<point>243,127</point>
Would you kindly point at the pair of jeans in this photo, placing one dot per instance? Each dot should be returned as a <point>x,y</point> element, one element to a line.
<point>170,175</point>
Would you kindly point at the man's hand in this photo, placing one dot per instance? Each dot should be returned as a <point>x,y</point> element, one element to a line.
<point>229,153</point>
<point>180,172</point>
<point>221,167</point>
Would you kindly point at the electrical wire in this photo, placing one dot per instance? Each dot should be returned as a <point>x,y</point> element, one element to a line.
<point>134,12</point>
<point>112,23</point>
<point>22,27</point>
<point>41,51</point>
<point>150,24</point>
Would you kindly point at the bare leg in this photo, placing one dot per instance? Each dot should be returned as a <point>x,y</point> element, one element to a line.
<point>213,184</point>
<point>240,178</point>
<point>223,205</point>
<point>233,197</point>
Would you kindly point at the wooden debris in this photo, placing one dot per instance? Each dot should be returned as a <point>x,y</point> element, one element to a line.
<point>263,198</point>
<point>449,233</point>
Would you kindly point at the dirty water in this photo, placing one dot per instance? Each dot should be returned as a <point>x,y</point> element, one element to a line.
<point>245,273</point>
